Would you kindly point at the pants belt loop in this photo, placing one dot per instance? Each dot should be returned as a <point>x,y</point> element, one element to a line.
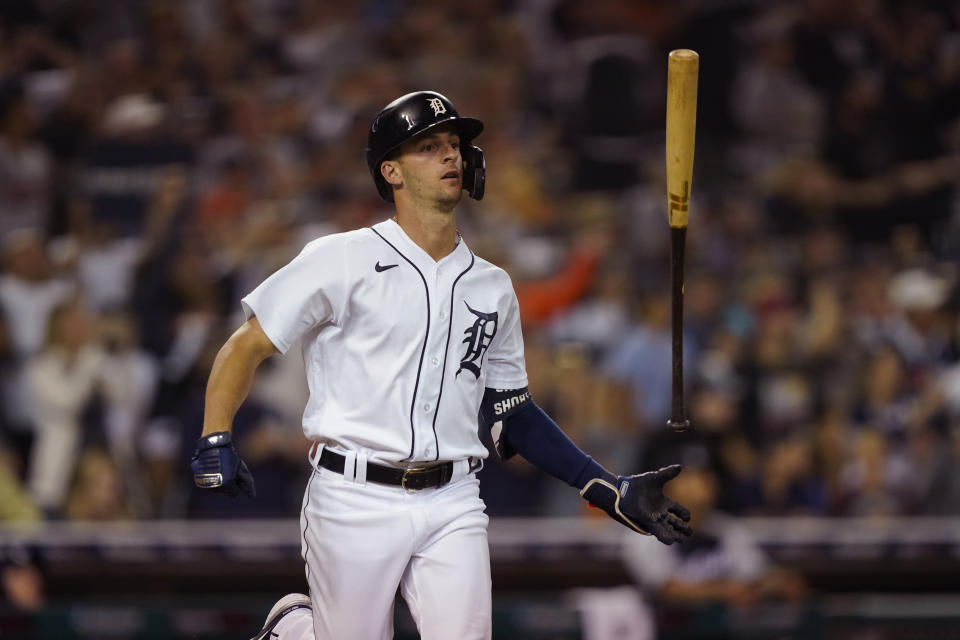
<point>314,456</point>
<point>463,468</point>
<point>460,469</point>
<point>361,475</point>
<point>350,466</point>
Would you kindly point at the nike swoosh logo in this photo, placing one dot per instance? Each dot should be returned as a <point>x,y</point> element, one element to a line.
<point>385,267</point>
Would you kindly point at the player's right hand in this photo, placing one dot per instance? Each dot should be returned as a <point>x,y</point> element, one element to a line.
<point>217,466</point>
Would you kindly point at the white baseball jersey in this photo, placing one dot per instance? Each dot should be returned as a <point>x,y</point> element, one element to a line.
<point>398,348</point>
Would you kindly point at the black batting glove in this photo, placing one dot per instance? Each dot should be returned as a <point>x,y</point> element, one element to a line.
<point>217,466</point>
<point>638,502</point>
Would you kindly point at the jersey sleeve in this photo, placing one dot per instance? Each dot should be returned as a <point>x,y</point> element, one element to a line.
<point>506,368</point>
<point>308,291</point>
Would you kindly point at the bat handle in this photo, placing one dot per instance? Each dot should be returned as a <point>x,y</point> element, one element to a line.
<point>678,421</point>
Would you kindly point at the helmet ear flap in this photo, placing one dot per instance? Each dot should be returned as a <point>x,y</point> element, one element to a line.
<point>474,171</point>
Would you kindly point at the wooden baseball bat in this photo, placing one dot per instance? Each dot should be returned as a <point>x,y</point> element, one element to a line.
<point>683,66</point>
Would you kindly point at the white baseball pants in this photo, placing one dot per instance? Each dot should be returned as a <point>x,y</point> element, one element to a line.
<point>361,540</point>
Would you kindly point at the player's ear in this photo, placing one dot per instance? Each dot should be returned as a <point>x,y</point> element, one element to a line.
<point>390,170</point>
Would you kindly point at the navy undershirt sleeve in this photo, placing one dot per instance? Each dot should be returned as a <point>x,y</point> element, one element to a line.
<point>535,436</point>
<point>522,427</point>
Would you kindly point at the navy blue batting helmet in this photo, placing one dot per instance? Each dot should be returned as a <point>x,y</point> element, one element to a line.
<point>411,115</point>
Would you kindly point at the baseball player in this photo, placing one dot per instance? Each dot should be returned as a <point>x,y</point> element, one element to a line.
<point>407,338</point>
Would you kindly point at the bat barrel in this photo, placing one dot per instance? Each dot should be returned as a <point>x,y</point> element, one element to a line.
<point>683,68</point>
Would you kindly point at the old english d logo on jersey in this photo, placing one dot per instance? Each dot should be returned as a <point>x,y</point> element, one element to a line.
<point>437,105</point>
<point>477,337</point>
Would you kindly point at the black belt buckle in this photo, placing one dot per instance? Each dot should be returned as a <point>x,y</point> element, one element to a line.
<point>414,471</point>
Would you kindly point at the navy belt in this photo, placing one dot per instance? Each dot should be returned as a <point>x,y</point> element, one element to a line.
<point>413,478</point>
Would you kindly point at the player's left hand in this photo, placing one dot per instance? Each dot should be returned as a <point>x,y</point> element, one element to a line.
<point>217,466</point>
<point>638,502</point>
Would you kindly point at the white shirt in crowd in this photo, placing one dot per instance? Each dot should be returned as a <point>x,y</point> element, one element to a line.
<point>27,307</point>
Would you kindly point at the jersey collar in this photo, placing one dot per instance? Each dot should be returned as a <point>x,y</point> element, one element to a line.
<point>457,259</point>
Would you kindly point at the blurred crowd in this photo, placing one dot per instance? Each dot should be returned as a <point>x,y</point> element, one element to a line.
<point>158,159</point>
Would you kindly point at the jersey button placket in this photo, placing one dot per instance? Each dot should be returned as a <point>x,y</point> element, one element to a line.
<point>433,374</point>
<point>437,277</point>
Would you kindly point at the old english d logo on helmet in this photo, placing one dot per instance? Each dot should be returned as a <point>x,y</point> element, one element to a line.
<point>437,105</point>
<point>411,115</point>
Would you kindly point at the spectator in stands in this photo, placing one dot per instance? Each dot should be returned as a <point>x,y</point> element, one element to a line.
<point>98,493</point>
<point>107,263</point>
<point>874,479</point>
<point>542,299</point>
<point>791,482</point>
<point>641,360</point>
<point>16,504</point>
<point>17,439</point>
<point>61,382</point>
<point>29,290</point>
<point>770,91</point>
<point>25,166</point>
<point>885,400</point>
<point>129,380</point>
<point>921,331</point>
<point>21,580</point>
<point>720,563</point>
<point>221,208</point>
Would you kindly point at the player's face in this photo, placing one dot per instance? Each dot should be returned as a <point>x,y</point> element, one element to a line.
<point>431,167</point>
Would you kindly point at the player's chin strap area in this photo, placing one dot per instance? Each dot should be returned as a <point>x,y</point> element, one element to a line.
<point>616,502</point>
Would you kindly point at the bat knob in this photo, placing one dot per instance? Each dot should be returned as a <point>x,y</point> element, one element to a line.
<point>678,426</point>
